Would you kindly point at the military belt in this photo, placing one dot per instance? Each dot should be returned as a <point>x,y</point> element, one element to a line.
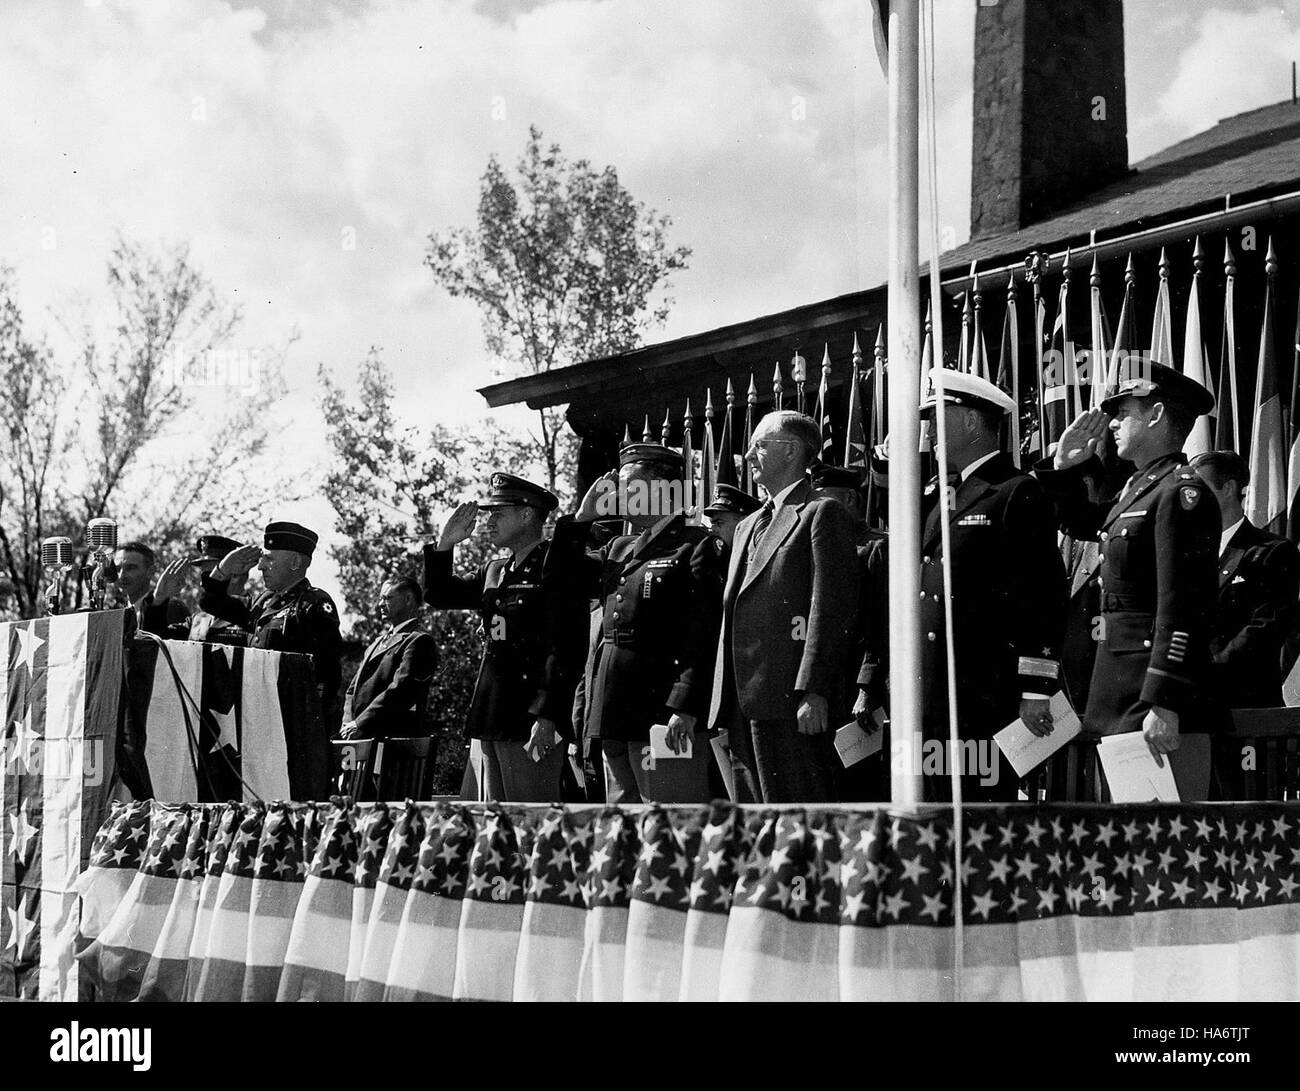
<point>1113,603</point>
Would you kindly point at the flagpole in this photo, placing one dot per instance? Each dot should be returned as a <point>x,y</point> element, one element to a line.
<point>903,325</point>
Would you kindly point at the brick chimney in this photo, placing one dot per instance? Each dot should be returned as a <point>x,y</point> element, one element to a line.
<point>1050,118</point>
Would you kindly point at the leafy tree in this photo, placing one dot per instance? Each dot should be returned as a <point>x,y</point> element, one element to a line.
<point>564,266</point>
<point>134,426</point>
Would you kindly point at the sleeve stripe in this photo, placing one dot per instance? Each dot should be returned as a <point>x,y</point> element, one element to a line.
<point>1039,668</point>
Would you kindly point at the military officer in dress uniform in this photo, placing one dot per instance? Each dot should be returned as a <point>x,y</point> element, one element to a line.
<point>290,615</point>
<point>209,628</point>
<point>729,506</point>
<point>535,639</point>
<point>661,591</point>
<point>1159,552</point>
<point>1008,594</point>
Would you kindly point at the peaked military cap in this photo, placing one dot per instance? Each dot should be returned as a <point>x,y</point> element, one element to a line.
<point>292,536</point>
<point>213,547</point>
<point>509,491</point>
<point>835,477</point>
<point>728,498</point>
<point>1161,382</point>
<point>969,390</point>
<point>654,453</point>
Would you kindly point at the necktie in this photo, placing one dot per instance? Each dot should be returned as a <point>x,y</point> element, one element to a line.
<point>761,524</point>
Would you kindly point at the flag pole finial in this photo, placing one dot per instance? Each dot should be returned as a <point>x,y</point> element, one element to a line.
<point>1198,257</point>
<point>1130,275</point>
<point>751,395</point>
<point>1270,259</point>
<point>1164,264</point>
<point>1094,277</point>
<point>708,404</point>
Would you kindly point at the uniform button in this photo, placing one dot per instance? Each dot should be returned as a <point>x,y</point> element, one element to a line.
<point>622,580</point>
<point>618,598</point>
<point>936,597</point>
<point>923,596</point>
<point>1104,535</point>
<point>930,637</point>
<point>1146,643</point>
<point>925,560</point>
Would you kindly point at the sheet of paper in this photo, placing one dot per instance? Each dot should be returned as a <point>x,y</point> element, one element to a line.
<point>853,744</point>
<point>659,744</point>
<point>1025,750</point>
<point>1131,771</point>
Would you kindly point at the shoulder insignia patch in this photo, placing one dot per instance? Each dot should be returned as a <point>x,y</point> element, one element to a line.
<point>1189,497</point>
<point>327,607</point>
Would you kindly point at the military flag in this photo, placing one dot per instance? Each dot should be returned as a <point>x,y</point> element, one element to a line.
<point>1267,504</point>
<point>1009,372</point>
<point>1227,426</point>
<point>1194,356</point>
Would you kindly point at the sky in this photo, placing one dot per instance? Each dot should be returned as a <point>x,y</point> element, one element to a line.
<point>305,151</point>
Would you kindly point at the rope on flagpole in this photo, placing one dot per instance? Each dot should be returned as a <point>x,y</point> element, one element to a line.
<point>946,498</point>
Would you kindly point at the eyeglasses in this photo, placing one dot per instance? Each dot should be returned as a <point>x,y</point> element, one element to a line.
<point>762,445</point>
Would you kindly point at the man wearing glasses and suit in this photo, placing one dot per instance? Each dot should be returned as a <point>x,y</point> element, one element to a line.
<point>788,612</point>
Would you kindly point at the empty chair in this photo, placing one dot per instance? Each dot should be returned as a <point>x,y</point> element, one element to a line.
<point>353,767</point>
<point>404,768</point>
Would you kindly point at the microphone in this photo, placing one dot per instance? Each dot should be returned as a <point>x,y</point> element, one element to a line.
<point>101,535</point>
<point>56,559</point>
<point>56,553</point>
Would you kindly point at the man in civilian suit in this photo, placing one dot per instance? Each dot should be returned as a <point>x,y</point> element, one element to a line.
<point>787,624</point>
<point>1259,582</point>
<point>386,698</point>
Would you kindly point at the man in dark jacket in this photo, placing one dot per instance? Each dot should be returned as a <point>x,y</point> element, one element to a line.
<point>535,639</point>
<point>1008,596</point>
<point>787,625</point>
<point>660,590</point>
<point>1259,583</point>
<point>1159,553</point>
<point>386,697</point>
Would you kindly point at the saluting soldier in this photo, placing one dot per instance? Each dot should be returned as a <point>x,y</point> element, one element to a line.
<point>1159,552</point>
<point>661,590</point>
<point>535,638</point>
<point>290,615</point>
<point>1008,593</point>
<point>209,628</point>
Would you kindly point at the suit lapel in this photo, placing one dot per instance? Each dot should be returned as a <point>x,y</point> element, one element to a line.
<point>1242,539</point>
<point>784,520</point>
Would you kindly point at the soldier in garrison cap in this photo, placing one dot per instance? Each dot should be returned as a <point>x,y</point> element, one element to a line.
<point>1159,552</point>
<point>1008,593</point>
<point>290,615</point>
<point>208,551</point>
<point>660,590</point>
<point>729,506</point>
<point>535,639</point>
